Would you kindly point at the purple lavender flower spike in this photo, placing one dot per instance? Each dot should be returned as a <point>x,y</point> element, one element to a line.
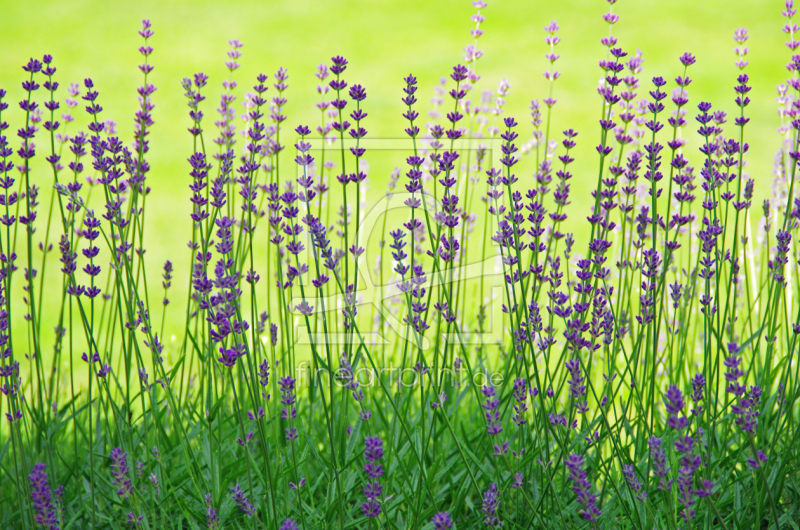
<point>212,517</point>
<point>242,502</point>
<point>734,372</point>
<point>143,119</point>
<point>45,511</point>
<point>635,486</point>
<point>705,490</point>
<point>576,386</point>
<point>288,400</point>
<point>229,356</point>
<point>674,402</point>
<point>698,384</point>
<point>442,521</point>
<point>289,524</point>
<point>119,470</point>
<point>263,373</point>
<point>493,424</point>
<point>373,489</point>
<point>582,487</point>
<point>521,397</point>
<point>760,458</point>
<point>167,283</point>
<point>689,465</point>
<point>491,503</point>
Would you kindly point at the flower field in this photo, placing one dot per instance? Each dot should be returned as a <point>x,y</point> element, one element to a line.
<point>468,347</point>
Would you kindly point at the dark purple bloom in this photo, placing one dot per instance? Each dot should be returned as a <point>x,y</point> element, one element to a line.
<point>304,308</point>
<point>263,373</point>
<point>493,424</point>
<point>698,384</point>
<point>167,283</point>
<point>409,99</point>
<point>576,387</point>
<point>288,400</point>
<point>705,489</point>
<point>687,59</point>
<point>442,521</point>
<point>289,524</point>
<point>347,376</point>
<point>491,503</point>
<point>373,453</point>
<point>760,458</point>
<point>212,518</point>
<point>68,258</point>
<point>339,64</point>
<point>635,486</point>
<point>689,464</point>
<point>229,356</point>
<point>45,512</point>
<point>119,470</point>
<point>674,402</point>
<point>583,489</point>
<point>273,334</point>
<point>521,397</point>
<point>242,502</point>
<point>734,373</point>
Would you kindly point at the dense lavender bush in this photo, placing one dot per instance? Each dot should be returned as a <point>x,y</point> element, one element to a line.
<point>528,365</point>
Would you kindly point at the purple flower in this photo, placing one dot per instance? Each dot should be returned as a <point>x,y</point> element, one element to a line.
<point>273,334</point>
<point>442,521</point>
<point>119,470</point>
<point>734,373</point>
<point>576,387</point>
<point>659,459</point>
<point>241,501</point>
<point>698,384</point>
<point>154,482</point>
<point>493,424</point>
<point>689,464</point>
<point>582,488</point>
<point>348,379</point>
<point>409,99</point>
<point>67,256</point>
<point>288,400</point>
<point>289,524</point>
<point>674,402</point>
<point>521,397</point>
<point>167,283</point>
<point>143,119</point>
<point>229,356</point>
<point>633,482</point>
<point>705,489</point>
<point>491,503</point>
<point>304,308</point>
<point>46,514</point>
<point>263,373</point>
<point>212,518</point>
<point>372,489</point>
<point>759,459</point>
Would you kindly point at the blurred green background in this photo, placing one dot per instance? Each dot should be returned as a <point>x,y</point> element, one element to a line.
<point>383,40</point>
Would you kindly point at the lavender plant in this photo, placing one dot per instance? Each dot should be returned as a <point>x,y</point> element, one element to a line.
<point>631,368</point>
